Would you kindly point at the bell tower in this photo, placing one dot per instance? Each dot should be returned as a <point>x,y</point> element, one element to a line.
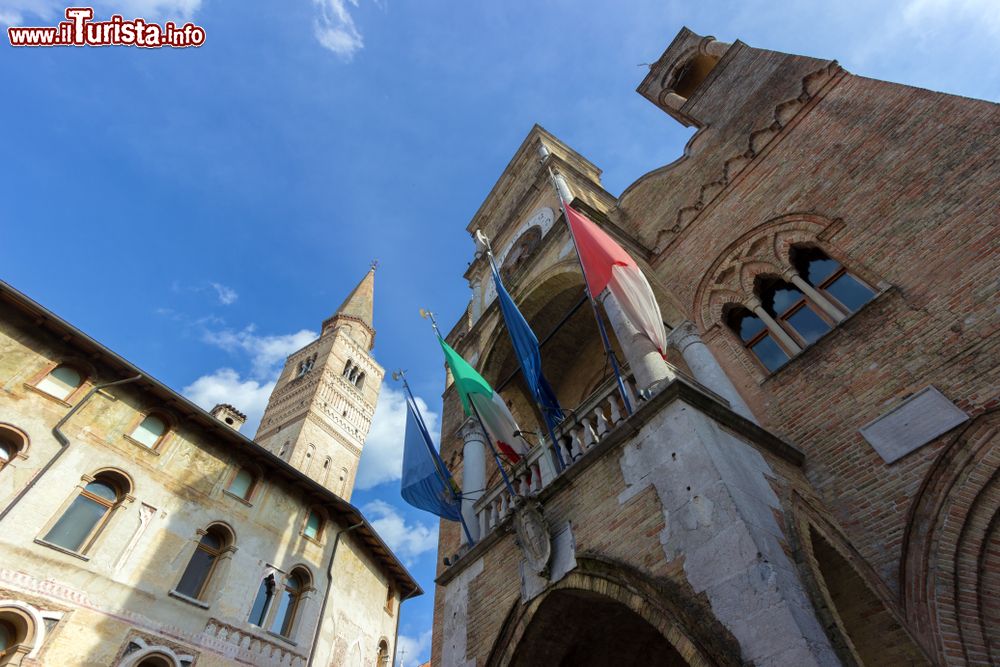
<point>321,408</point>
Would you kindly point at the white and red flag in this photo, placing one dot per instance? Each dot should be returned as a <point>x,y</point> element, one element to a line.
<point>606,265</point>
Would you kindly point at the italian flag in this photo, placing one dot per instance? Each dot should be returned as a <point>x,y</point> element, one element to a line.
<point>476,392</point>
<point>606,265</point>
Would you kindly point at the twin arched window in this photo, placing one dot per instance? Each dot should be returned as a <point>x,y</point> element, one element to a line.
<point>88,511</point>
<point>792,314</point>
<point>306,365</point>
<point>61,382</point>
<point>198,573</point>
<point>278,604</point>
<point>354,374</point>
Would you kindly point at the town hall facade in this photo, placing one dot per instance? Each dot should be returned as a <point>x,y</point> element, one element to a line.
<point>808,476</point>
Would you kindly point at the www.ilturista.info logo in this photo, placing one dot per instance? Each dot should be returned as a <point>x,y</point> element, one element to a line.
<point>80,30</point>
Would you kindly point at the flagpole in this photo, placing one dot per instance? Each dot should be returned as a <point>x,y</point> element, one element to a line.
<point>482,425</point>
<point>442,470</point>
<point>541,406</point>
<point>593,302</point>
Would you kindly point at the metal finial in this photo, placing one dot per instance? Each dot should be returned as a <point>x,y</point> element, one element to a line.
<point>374,264</point>
<point>428,315</point>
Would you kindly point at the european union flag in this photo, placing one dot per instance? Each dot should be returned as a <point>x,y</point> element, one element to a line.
<point>426,483</point>
<point>528,355</point>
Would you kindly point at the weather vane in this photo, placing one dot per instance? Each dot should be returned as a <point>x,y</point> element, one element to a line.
<point>374,264</point>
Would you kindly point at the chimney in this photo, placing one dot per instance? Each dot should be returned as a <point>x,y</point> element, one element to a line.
<point>229,415</point>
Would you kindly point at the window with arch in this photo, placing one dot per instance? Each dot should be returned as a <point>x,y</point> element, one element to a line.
<point>289,601</point>
<point>262,603</point>
<point>796,314</point>
<point>12,443</point>
<point>313,525</point>
<point>88,511</point>
<point>150,431</point>
<point>61,382</point>
<point>382,655</point>
<point>757,338</point>
<point>845,291</point>
<point>156,660</point>
<point>306,365</point>
<point>390,598</point>
<point>198,573</point>
<point>354,374</point>
<point>18,633</point>
<point>243,484</point>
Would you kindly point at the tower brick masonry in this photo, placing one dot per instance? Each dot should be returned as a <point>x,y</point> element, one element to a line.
<point>321,408</point>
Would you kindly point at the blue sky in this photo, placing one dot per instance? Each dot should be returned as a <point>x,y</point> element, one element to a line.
<point>201,211</point>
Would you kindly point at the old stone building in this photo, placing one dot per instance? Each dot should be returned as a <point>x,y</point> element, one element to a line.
<point>809,477</point>
<point>138,530</point>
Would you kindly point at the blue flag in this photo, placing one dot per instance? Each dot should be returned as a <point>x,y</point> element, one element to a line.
<point>528,355</point>
<point>426,483</point>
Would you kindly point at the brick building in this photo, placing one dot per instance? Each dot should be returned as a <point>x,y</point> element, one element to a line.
<point>810,477</point>
<point>138,530</point>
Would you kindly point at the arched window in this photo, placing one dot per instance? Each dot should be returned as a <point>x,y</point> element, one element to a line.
<point>18,633</point>
<point>88,512</point>
<point>11,444</point>
<point>289,601</point>
<point>156,660</point>
<point>845,291</point>
<point>348,368</point>
<point>262,603</point>
<point>150,431</point>
<point>790,308</point>
<point>243,484</point>
<point>206,556</point>
<point>382,656</point>
<point>61,381</point>
<point>359,382</point>
<point>313,526</point>
<point>756,338</point>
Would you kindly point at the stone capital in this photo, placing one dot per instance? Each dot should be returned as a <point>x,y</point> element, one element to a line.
<point>683,335</point>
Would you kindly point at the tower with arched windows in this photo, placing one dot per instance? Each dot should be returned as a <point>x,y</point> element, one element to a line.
<point>322,406</point>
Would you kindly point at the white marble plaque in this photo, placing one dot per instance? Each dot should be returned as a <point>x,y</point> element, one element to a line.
<point>912,424</point>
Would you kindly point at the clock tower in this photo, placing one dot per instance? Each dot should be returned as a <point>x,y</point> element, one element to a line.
<point>321,408</point>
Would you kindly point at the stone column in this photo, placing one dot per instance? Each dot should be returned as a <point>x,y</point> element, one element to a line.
<point>473,474</point>
<point>774,328</point>
<point>645,361</point>
<point>814,295</point>
<point>705,368</point>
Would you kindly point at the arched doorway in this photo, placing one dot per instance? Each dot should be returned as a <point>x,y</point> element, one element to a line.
<point>875,635</point>
<point>574,628</point>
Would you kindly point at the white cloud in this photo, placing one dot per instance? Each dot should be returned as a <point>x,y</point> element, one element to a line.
<point>408,541</point>
<point>266,353</point>
<point>226,386</point>
<point>227,295</point>
<point>382,458</point>
<point>248,394</point>
<point>413,650</point>
<point>335,28</point>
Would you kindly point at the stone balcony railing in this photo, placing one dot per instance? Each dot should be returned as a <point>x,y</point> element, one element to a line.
<point>582,430</point>
<point>249,647</point>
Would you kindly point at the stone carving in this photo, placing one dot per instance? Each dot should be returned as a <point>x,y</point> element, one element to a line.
<point>533,537</point>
